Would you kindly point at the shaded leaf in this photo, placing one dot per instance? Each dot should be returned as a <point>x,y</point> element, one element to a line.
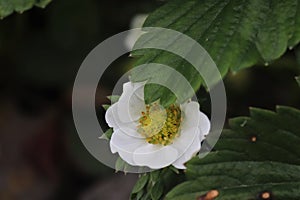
<point>259,153</point>
<point>157,191</point>
<point>121,165</point>
<point>236,34</point>
<point>140,184</point>
<point>159,182</point>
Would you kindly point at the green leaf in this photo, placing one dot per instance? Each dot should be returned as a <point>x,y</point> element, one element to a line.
<point>277,27</point>
<point>107,135</point>
<point>157,191</point>
<point>155,176</point>
<point>42,3</point>
<point>113,98</point>
<point>158,183</point>
<point>236,34</point>
<point>140,184</point>
<point>174,169</point>
<point>105,106</point>
<point>246,180</point>
<point>7,7</point>
<point>259,153</point>
<point>121,165</point>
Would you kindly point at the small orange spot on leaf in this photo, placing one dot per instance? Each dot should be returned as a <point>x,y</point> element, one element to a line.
<point>210,195</point>
<point>265,195</point>
<point>253,139</point>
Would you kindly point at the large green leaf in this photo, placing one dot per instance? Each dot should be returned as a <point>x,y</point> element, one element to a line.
<point>7,7</point>
<point>236,33</point>
<point>260,153</point>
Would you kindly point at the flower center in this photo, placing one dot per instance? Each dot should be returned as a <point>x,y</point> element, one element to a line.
<point>160,125</point>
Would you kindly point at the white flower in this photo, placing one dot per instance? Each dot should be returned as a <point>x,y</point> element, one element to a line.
<point>149,135</point>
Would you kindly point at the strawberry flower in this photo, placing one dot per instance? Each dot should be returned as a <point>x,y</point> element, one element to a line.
<point>154,136</point>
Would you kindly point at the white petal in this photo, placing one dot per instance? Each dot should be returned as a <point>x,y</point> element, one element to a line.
<point>204,124</point>
<point>130,105</point>
<point>155,156</point>
<point>186,138</point>
<point>125,145</point>
<point>188,154</point>
<point>139,89</point>
<point>113,148</point>
<point>190,112</point>
<point>113,120</point>
<point>109,117</point>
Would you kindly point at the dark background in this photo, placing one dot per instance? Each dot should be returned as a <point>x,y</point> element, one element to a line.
<point>41,155</point>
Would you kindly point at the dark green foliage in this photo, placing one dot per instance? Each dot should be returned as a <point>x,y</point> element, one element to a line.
<point>154,185</point>
<point>259,153</point>
<point>237,34</point>
<point>7,7</point>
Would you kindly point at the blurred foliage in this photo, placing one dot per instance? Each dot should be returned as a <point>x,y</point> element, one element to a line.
<point>40,52</point>
<point>7,7</point>
<point>48,46</point>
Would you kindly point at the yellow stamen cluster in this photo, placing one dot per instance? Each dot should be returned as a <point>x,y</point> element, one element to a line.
<point>159,125</point>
